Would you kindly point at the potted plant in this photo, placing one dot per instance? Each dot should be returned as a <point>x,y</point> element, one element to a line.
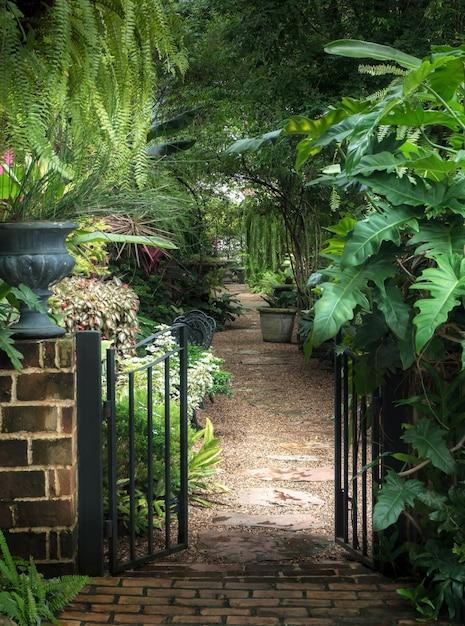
<point>32,242</point>
<point>38,201</point>
<point>277,319</point>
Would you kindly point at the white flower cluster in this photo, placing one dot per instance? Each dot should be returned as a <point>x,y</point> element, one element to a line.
<point>200,377</point>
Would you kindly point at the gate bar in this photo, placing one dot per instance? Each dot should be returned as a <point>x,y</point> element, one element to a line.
<point>89,446</point>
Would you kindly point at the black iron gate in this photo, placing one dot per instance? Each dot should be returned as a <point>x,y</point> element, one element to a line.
<point>356,447</point>
<point>133,454</point>
<point>367,429</point>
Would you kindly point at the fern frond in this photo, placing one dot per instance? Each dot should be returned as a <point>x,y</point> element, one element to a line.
<point>381,70</point>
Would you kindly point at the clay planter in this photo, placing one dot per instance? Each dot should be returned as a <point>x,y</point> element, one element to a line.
<point>277,324</point>
<point>35,254</point>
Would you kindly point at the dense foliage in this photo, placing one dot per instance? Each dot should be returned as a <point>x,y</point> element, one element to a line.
<point>205,378</point>
<point>395,283</point>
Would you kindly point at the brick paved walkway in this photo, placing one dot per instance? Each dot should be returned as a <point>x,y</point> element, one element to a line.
<point>257,595</point>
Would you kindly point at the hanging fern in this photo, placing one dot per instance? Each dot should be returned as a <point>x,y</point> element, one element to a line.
<point>265,241</point>
<point>81,75</point>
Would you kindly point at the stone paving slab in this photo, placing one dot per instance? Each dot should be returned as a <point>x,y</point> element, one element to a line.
<point>316,474</point>
<point>265,496</point>
<point>231,595</point>
<point>291,522</point>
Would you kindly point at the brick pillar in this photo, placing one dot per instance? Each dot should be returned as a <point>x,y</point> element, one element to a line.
<point>38,462</point>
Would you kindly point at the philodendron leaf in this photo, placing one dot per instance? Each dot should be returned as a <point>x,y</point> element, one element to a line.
<point>395,495</point>
<point>341,297</point>
<point>429,441</point>
<point>357,49</point>
<point>382,161</point>
<point>446,285</point>
<point>445,239</point>
<point>369,234</point>
<point>402,191</point>
<point>338,302</point>
<point>396,311</point>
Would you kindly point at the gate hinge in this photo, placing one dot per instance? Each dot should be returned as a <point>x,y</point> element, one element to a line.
<point>106,409</point>
<point>108,528</point>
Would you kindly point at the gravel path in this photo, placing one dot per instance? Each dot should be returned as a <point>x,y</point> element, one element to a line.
<point>279,418</point>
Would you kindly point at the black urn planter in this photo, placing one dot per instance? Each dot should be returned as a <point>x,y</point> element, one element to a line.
<point>35,254</point>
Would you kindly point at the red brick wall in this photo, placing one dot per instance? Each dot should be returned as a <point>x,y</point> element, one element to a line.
<point>38,466</point>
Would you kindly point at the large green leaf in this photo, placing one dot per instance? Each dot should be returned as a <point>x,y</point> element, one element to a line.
<point>341,296</point>
<point>446,285</point>
<point>97,236</point>
<point>252,144</point>
<point>334,246</point>
<point>447,77</point>
<point>369,234</point>
<point>396,311</point>
<point>433,166</point>
<point>439,238</point>
<point>429,441</point>
<point>405,115</point>
<point>378,162</point>
<point>301,125</point>
<point>416,77</point>
<point>395,495</point>
<point>357,49</point>
<point>402,191</point>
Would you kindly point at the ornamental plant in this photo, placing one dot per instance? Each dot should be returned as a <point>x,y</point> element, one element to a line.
<point>394,285</point>
<point>92,304</point>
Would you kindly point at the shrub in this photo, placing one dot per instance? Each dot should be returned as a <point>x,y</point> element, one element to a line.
<point>91,304</point>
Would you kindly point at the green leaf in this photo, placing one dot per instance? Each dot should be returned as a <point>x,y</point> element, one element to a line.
<point>416,77</point>
<point>428,439</point>
<point>396,311</point>
<point>155,241</point>
<point>340,298</point>
<point>377,162</point>
<point>369,234</point>
<point>441,238</point>
<point>338,302</point>
<point>405,115</point>
<point>252,144</point>
<point>357,49</point>
<point>395,495</point>
<point>447,77</point>
<point>7,345</point>
<point>433,166</point>
<point>401,191</point>
<point>446,285</point>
